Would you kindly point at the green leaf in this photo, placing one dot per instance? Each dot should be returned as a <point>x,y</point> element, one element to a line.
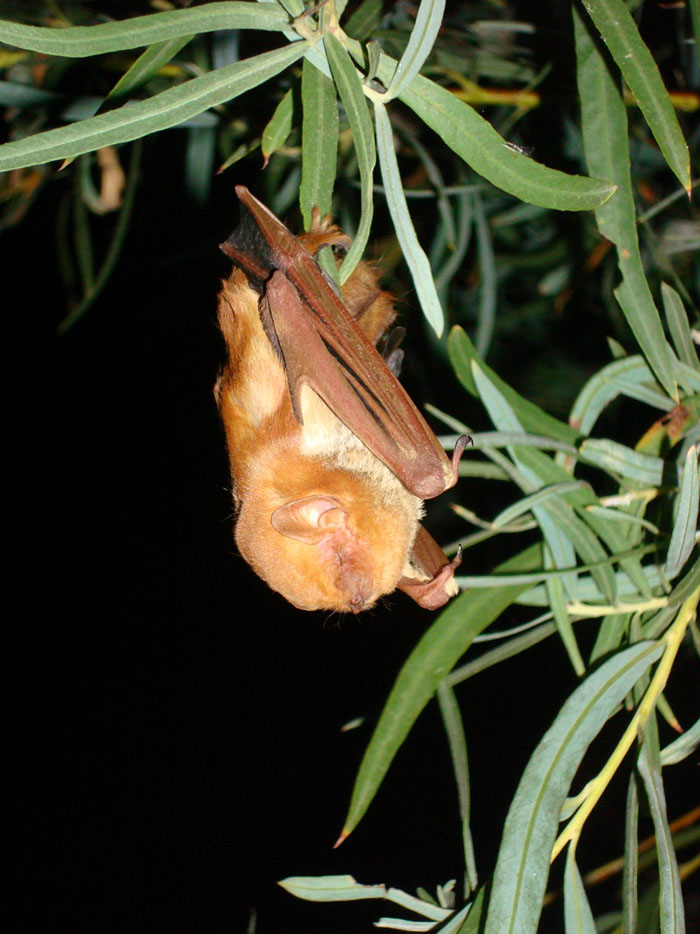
<point>678,326</point>
<point>522,867</point>
<point>617,458</point>
<point>330,888</point>
<point>434,656</point>
<point>347,81</point>
<point>635,61</point>
<point>421,41</point>
<point>604,125</point>
<point>413,253</point>
<point>510,513</point>
<point>509,649</point>
<point>610,634</point>
<point>635,299</point>
<point>670,896</point>
<point>138,118</point>
<point>82,41</point>
<point>364,21</point>
<point>630,376</point>
<point>486,312</point>
<point>472,924</point>
<point>681,748</point>
<point>293,7</point>
<point>115,246</point>
<point>578,917</point>
<point>476,141</point>
<point>631,862</point>
<point>146,65</point>
<point>346,889</point>
<point>557,601</point>
<point>319,142</point>
<point>278,127</point>
<point>199,162</point>
<point>454,728</point>
<point>462,352</point>
<point>685,527</point>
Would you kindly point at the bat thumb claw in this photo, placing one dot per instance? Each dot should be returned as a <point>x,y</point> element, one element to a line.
<point>462,442</point>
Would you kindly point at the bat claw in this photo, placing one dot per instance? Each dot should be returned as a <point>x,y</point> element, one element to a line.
<point>462,442</point>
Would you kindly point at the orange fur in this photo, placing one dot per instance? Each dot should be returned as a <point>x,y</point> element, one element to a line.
<point>320,518</point>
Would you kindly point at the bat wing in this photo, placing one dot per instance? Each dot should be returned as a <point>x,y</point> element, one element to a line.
<point>324,348</point>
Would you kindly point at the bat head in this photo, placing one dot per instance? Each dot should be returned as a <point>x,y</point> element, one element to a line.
<point>340,548</point>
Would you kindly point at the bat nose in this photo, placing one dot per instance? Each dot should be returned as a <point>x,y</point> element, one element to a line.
<point>357,603</point>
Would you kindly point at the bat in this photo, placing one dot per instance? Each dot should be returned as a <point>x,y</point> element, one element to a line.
<point>330,459</point>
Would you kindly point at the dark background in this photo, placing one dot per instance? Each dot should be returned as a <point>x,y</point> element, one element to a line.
<point>175,738</point>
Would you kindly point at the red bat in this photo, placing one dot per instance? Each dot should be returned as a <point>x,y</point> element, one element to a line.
<point>330,459</point>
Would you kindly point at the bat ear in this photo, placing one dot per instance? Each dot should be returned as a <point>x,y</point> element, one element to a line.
<point>311,519</point>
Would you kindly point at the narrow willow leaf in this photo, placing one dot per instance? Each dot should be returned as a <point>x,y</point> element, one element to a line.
<point>648,392</point>
<point>630,867</point>
<point>423,35</point>
<point>638,306</point>
<point>349,86</point>
<point>520,877</point>
<point>606,385</point>
<point>454,728</point>
<point>486,312</point>
<point>420,906</point>
<point>319,142</point>
<point>138,118</point>
<point>685,527</point>
<point>612,629</point>
<point>557,601</point>
<point>330,888</point>
<point>619,459</point>
<point>82,41</point>
<point>578,917</point>
<point>473,922</point>
<point>615,515</point>
<point>13,94</point>
<point>364,21</point>
<point>524,505</point>
<point>434,656</point>
<point>635,61</point>
<point>146,65</point>
<point>199,162</point>
<point>415,257</point>
<point>511,648</point>
<point>681,748</point>
<point>278,127</point>
<point>462,352</point>
<point>293,7</point>
<point>116,243</point>
<point>346,888</point>
<point>454,925</point>
<point>670,895</point>
<point>475,140</point>
<point>604,126</point>
<point>589,592</point>
<point>679,327</point>
<point>455,260</point>
<point>437,180</point>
